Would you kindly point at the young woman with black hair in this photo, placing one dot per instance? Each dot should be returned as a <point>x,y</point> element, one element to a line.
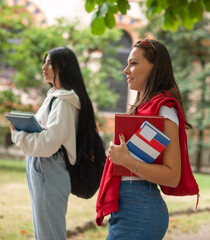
<point>137,209</point>
<point>70,118</point>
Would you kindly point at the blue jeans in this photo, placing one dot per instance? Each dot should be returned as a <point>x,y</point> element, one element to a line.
<point>49,187</point>
<point>143,214</point>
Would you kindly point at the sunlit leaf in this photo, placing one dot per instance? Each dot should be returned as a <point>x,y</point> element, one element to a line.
<point>98,26</point>
<point>170,20</point>
<point>89,5</point>
<point>109,20</point>
<point>123,6</point>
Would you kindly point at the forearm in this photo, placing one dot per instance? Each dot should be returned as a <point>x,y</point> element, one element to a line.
<point>160,174</point>
<point>36,144</point>
<point>167,174</point>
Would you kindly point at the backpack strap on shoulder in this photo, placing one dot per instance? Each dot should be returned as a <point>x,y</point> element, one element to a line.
<point>62,148</point>
<point>51,103</point>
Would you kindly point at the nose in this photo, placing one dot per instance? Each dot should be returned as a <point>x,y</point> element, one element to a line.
<point>43,67</point>
<point>126,70</point>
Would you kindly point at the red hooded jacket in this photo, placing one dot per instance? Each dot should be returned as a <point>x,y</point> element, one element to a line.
<point>108,196</point>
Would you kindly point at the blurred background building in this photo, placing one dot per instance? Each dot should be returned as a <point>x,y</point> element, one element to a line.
<point>45,13</point>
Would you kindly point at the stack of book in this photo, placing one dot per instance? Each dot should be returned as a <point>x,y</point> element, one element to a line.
<point>144,138</point>
<point>147,143</point>
<point>24,121</point>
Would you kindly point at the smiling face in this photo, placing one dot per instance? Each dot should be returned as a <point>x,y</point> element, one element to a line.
<point>48,73</point>
<point>138,70</point>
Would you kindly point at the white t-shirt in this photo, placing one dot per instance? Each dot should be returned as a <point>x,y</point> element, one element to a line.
<point>166,112</point>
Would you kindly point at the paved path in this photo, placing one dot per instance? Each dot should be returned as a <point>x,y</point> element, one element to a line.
<point>202,234</point>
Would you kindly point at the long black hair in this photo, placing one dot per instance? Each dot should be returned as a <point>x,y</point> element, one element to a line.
<point>65,65</point>
<point>161,78</point>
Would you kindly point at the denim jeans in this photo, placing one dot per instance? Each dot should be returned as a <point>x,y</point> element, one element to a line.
<point>142,215</point>
<point>49,187</point>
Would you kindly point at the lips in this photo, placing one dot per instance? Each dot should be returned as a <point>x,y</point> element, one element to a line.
<point>129,79</point>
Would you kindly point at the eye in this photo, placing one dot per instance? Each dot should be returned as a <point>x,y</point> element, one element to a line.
<point>133,63</point>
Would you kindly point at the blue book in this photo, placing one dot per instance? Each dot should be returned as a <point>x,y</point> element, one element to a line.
<point>147,143</point>
<point>24,121</point>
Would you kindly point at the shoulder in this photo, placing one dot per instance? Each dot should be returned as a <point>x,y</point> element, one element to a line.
<point>61,105</point>
<point>169,113</point>
<point>66,97</point>
<point>152,107</point>
<point>163,99</point>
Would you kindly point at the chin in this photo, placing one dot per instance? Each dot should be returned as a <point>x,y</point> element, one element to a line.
<point>47,80</point>
<point>132,88</point>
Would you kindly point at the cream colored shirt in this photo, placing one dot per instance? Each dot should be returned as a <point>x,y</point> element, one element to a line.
<point>61,124</point>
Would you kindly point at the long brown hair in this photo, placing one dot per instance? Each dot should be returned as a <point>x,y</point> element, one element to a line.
<point>161,78</point>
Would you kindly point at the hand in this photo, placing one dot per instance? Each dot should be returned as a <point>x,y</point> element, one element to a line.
<point>118,153</point>
<point>44,127</point>
<point>12,128</point>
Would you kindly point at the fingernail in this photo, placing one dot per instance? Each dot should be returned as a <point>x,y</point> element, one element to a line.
<point>121,134</point>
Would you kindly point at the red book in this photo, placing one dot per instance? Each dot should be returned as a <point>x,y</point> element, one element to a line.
<point>128,125</point>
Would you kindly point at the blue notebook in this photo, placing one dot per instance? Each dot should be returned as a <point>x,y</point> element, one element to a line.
<point>23,121</point>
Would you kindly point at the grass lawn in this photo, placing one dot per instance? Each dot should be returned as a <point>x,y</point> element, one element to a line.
<point>180,226</point>
<point>15,209</point>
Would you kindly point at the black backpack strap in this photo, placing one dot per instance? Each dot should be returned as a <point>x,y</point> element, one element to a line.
<point>51,102</point>
<point>62,148</point>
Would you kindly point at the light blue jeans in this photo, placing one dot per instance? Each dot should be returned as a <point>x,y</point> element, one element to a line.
<point>143,214</point>
<point>49,187</point>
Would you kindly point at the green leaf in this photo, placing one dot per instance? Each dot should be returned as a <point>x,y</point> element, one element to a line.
<point>185,18</point>
<point>98,26</point>
<point>207,5</point>
<point>93,17</point>
<point>89,5</point>
<point>102,11</point>
<point>149,3</point>
<point>100,2</point>
<point>123,6</point>
<point>196,10</point>
<point>151,10</point>
<point>154,6</point>
<point>170,21</point>
<point>109,20</point>
<point>113,8</point>
<point>111,1</point>
<point>177,4</point>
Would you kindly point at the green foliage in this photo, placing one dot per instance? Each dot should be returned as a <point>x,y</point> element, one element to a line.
<point>26,57</point>
<point>201,118</point>
<point>177,12</point>
<point>8,100</point>
<point>173,13</point>
<point>12,23</point>
<point>97,50</point>
<point>104,11</point>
